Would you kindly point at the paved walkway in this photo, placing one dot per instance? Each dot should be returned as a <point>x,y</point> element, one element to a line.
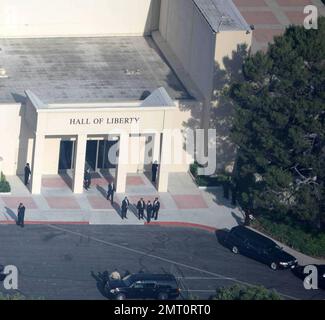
<point>271,17</point>
<point>183,203</point>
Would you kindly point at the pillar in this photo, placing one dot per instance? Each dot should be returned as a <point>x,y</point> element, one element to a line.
<point>123,162</point>
<point>164,164</point>
<point>37,165</point>
<point>79,163</point>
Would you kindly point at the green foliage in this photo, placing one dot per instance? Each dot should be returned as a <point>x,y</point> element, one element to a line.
<point>16,296</point>
<point>279,128</point>
<point>204,181</point>
<point>309,243</point>
<point>4,184</point>
<point>240,292</point>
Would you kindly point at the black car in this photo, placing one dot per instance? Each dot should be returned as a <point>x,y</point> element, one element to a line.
<point>254,245</point>
<point>143,286</point>
<point>299,272</point>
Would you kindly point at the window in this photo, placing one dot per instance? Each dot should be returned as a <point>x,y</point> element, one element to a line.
<point>150,285</point>
<point>138,285</point>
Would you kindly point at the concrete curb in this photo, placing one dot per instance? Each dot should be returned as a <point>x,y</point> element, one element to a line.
<point>182,225</point>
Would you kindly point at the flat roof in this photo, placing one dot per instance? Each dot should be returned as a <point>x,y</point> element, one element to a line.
<point>72,70</point>
<point>222,15</point>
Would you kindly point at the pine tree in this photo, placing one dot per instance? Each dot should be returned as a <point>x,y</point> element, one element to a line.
<point>279,128</point>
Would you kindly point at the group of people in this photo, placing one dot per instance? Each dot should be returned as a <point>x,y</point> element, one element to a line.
<point>152,209</point>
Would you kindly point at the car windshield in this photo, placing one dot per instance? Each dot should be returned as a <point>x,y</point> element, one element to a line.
<point>272,249</point>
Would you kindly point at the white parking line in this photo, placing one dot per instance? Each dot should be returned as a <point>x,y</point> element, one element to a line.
<point>161,258</point>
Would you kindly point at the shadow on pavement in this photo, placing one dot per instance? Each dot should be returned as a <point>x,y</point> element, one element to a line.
<point>11,214</point>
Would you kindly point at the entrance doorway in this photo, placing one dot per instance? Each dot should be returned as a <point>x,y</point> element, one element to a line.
<point>66,155</point>
<point>97,155</point>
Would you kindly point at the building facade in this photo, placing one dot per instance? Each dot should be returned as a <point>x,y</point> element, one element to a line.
<point>80,77</point>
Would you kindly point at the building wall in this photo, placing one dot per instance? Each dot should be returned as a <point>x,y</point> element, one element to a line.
<point>51,155</point>
<point>45,18</point>
<point>191,39</point>
<point>10,123</point>
<point>227,43</point>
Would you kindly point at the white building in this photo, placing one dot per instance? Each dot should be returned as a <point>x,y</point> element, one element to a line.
<point>73,70</point>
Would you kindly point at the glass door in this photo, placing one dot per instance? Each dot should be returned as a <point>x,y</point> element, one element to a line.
<point>66,155</point>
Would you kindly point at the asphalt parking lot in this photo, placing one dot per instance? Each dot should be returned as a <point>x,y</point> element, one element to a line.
<point>66,262</point>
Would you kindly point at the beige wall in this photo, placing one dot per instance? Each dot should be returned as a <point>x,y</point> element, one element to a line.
<point>191,39</point>
<point>9,137</point>
<point>227,42</point>
<point>38,18</point>
<point>51,156</point>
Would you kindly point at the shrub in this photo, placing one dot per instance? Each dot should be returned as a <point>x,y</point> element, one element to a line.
<point>4,184</point>
<point>293,235</point>
<point>241,292</point>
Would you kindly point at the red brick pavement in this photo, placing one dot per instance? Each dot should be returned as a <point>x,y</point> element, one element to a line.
<point>295,17</point>
<point>250,3</point>
<point>62,203</point>
<point>294,3</point>
<point>13,202</point>
<point>266,35</point>
<point>260,17</point>
<point>190,202</point>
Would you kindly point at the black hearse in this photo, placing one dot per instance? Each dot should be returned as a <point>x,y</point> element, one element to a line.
<point>143,286</point>
<point>256,246</point>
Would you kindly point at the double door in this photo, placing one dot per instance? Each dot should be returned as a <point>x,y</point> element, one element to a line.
<point>96,155</point>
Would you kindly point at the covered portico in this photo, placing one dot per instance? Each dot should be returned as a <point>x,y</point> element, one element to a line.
<point>122,121</point>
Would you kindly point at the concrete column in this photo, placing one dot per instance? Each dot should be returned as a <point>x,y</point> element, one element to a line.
<point>37,165</point>
<point>122,167</point>
<point>166,156</point>
<point>79,163</point>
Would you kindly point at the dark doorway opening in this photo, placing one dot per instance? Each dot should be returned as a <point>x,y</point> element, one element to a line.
<point>66,155</point>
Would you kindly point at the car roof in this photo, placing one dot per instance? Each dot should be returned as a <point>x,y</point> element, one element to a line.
<point>156,277</point>
<point>253,235</point>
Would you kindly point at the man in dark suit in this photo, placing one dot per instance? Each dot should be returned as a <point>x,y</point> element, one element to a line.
<point>110,192</point>
<point>124,207</point>
<point>149,211</point>
<point>154,169</point>
<point>21,215</point>
<point>156,207</point>
<point>141,206</point>
<point>27,173</point>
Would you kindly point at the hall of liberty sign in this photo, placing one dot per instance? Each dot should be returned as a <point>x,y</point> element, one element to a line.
<point>104,121</point>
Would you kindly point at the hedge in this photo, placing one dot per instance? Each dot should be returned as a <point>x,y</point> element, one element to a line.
<point>294,236</point>
<point>4,184</point>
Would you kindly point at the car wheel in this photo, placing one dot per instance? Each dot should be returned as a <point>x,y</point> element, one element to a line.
<point>162,296</point>
<point>235,250</point>
<point>121,296</point>
<point>274,266</point>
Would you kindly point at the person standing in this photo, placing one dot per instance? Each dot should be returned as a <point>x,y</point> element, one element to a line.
<point>156,207</point>
<point>27,173</point>
<point>124,207</point>
<point>21,215</point>
<point>154,169</point>
<point>149,211</point>
<point>110,192</point>
<point>141,206</point>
